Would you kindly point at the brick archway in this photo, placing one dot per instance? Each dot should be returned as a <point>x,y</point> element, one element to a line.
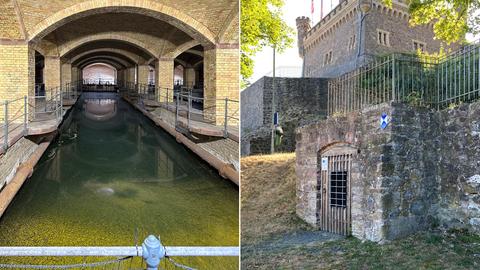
<point>111,63</point>
<point>150,8</point>
<point>182,48</point>
<point>68,47</point>
<point>132,57</point>
<point>112,58</point>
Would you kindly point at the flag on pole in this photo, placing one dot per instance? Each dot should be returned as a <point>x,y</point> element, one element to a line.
<point>313,7</point>
<point>321,9</point>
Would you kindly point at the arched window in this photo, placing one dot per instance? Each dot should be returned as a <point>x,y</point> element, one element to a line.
<point>178,75</point>
<point>99,73</point>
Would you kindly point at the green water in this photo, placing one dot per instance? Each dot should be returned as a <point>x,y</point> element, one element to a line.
<point>101,181</point>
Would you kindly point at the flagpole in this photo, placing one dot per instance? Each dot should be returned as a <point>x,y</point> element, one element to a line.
<point>312,10</point>
<point>321,9</point>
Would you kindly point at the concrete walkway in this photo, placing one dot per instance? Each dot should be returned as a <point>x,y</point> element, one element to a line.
<point>198,124</point>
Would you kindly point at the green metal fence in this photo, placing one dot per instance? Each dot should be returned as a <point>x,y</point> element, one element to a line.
<point>420,80</point>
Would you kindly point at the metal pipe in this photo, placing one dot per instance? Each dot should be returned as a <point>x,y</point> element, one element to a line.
<point>5,138</point>
<point>25,112</point>
<point>174,251</point>
<point>225,131</point>
<point>189,111</point>
<point>177,103</point>
<point>272,139</point>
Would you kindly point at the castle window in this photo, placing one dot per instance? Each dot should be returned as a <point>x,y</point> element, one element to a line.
<point>328,58</point>
<point>418,45</point>
<point>351,43</point>
<point>383,38</point>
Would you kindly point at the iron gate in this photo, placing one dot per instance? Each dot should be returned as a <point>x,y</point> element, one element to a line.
<point>334,196</point>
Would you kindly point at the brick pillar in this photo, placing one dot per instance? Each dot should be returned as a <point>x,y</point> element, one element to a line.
<point>51,72</point>
<point>124,76</point>
<point>143,71</point>
<point>66,74</point>
<point>221,69</point>
<point>119,78</point>
<point>189,76</point>
<point>17,75</point>
<point>131,74</point>
<point>75,74</point>
<point>164,78</point>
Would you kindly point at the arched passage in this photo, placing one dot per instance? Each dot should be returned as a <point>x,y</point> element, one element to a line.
<point>150,8</point>
<point>178,75</point>
<point>99,73</point>
<point>163,31</point>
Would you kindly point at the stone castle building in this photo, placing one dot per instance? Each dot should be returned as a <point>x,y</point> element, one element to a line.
<point>391,167</point>
<point>354,31</point>
<point>349,36</point>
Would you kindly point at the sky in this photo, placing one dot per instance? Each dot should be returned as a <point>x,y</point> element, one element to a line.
<point>290,58</point>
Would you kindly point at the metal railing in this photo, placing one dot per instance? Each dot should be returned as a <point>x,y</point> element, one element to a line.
<point>99,81</point>
<point>210,112</point>
<point>397,77</point>
<point>458,77</point>
<point>189,104</point>
<point>152,252</point>
<point>47,107</point>
<point>72,90</point>
<point>17,114</point>
<point>420,80</point>
<point>13,121</point>
<point>232,114</point>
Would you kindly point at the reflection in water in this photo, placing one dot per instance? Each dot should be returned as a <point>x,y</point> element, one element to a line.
<point>102,179</point>
<point>100,109</point>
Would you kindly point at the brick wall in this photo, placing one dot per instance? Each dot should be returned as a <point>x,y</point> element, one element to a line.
<point>94,72</point>
<point>143,73</point>
<point>164,78</point>
<point>221,80</point>
<point>17,74</point>
<point>51,72</point>
<point>66,73</point>
<point>9,25</point>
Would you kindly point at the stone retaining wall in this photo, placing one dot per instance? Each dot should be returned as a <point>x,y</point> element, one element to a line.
<point>421,171</point>
<point>298,100</point>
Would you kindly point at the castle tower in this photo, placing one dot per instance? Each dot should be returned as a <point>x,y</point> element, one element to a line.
<point>303,26</point>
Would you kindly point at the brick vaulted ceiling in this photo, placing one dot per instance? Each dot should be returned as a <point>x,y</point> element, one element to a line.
<point>19,16</point>
<point>148,28</point>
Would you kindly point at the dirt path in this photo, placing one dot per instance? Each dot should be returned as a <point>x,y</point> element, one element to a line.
<point>273,237</point>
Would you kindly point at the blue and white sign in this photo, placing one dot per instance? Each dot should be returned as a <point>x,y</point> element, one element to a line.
<point>384,121</point>
<point>324,163</point>
<point>275,118</point>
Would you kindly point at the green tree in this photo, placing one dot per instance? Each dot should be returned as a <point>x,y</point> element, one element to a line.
<point>451,19</point>
<point>261,25</point>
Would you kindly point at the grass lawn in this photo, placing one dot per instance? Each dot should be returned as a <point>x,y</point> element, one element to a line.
<point>273,237</point>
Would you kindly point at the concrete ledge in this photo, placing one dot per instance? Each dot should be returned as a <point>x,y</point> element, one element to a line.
<point>42,127</point>
<point>22,173</point>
